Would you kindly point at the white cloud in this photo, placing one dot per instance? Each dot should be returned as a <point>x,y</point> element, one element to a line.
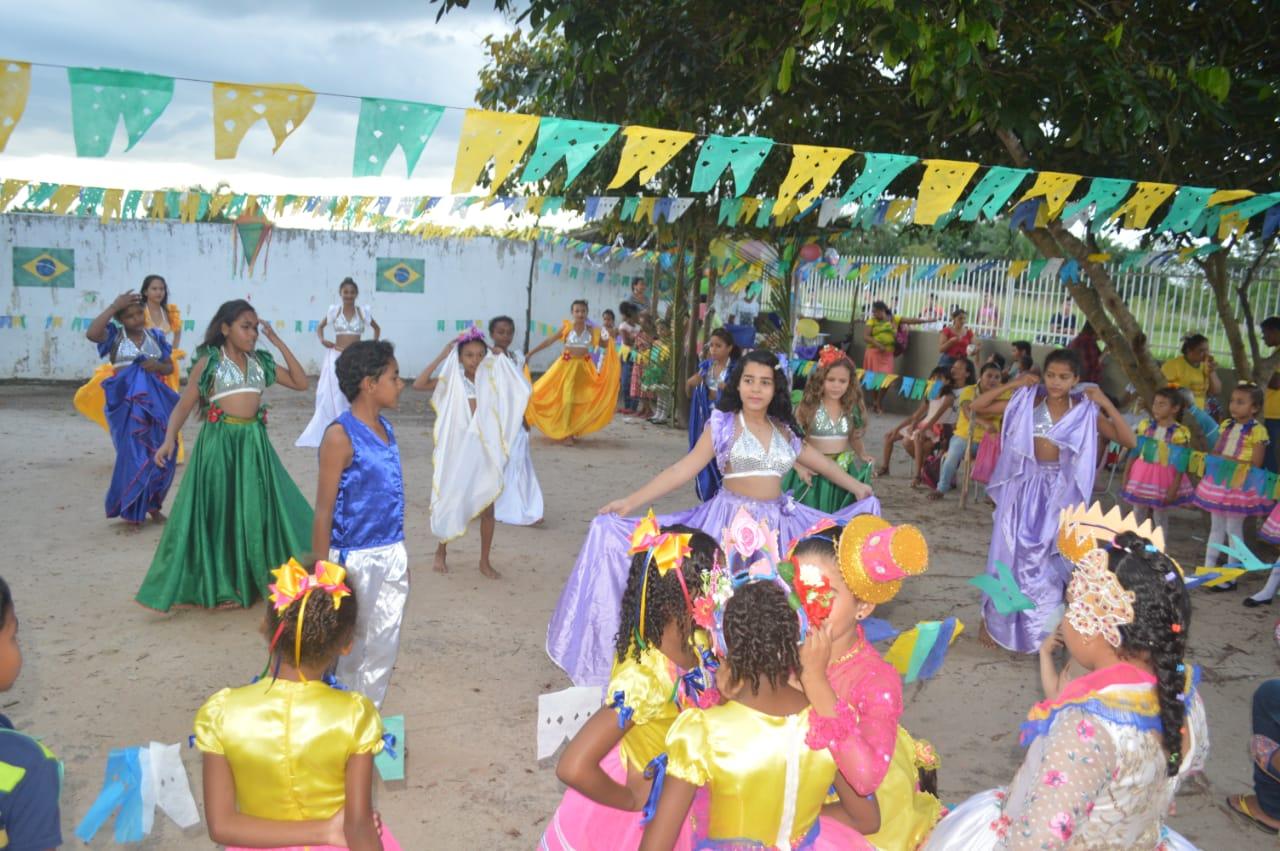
<point>385,49</point>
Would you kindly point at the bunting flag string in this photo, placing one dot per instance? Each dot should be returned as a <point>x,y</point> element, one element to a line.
<point>1227,472</point>
<point>102,98</point>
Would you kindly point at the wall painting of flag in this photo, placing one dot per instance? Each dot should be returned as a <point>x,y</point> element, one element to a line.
<point>44,267</point>
<point>400,275</point>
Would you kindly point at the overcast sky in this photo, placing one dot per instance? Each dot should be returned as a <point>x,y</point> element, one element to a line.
<point>384,48</point>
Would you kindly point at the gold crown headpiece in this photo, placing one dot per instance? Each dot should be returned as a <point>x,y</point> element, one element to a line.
<point>1082,529</point>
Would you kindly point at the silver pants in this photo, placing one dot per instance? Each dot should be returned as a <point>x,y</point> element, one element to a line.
<point>380,578</point>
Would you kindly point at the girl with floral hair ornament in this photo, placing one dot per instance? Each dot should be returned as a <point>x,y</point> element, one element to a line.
<point>856,695</point>
<point>1105,757</point>
<point>614,766</point>
<point>833,417</point>
<point>757,755</point>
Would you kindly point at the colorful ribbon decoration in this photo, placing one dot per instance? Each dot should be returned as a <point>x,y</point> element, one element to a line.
<point>294,584</point>
<point>1223,471</point>
<point>666,550</point>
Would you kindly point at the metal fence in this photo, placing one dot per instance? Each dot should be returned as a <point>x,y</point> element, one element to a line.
<point>1169,302</point>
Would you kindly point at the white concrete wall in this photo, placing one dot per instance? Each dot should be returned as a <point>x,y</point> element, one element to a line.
<point>293,283</point>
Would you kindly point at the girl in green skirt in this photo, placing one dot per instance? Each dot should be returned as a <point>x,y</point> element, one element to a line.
<point>237,514</point>
<point>833,417</point>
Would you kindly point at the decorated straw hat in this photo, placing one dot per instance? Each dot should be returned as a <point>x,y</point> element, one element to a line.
<point>875,556</point>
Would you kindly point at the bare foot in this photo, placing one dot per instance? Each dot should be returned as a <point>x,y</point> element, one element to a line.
<point>985,639</point>
<point>537,522</point>
<point>439,565</point>
<point>158,516</point>
<point>882,471</point>
<point>934,495</point>
<point>570,440</point>
<point>487,570</point>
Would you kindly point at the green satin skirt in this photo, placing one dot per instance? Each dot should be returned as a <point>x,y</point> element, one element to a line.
<point>238,516</point>
<point>822,494</point>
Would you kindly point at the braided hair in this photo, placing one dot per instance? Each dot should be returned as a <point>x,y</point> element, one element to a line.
<point>1161,622</point>
<point>779,406</point>
<point>664,598</point>
<point>325,630</point>
<point>761,636</point>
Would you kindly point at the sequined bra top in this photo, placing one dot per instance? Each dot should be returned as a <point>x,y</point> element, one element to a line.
<point>343,325</point>
<point>824,427</point>
<point>748,458</point>
<point>229,380</point>
<point>128,351</point>
<point>578,339</point>
<point>1042,420</point>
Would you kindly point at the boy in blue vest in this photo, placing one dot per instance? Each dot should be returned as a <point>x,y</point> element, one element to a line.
<point>359,519</point>
<point>30,775</point>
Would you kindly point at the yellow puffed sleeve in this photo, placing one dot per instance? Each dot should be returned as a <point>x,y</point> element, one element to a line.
<point>1181,436</point>
<point>636,692</point>
<point>366,728</point>
<point>209,723</point>
<point>1257,435</point>
<point>687,748</point>
<point>1143,425</point>
<point>175,318</point>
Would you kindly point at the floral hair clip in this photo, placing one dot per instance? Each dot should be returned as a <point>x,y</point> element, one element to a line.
<point>1099,603</point>
<point>472,333</point>
<point>829,355</point>
<point>666,550</point>
<point>814,531</point>
<point>294,584</point>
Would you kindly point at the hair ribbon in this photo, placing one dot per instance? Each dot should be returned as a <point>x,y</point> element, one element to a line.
<point>294,584</point>
<point>666,550</point>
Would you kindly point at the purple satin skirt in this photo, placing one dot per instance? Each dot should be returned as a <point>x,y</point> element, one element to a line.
<point>1025,537</point>
<point>584,624</point>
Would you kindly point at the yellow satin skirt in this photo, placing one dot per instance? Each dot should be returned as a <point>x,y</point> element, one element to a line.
<point>574,398</point>
<point>907,815</point>
<point>91,401</point>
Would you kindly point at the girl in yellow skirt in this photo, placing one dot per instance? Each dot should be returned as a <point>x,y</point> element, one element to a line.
<point>167,319</point>
<point>574,398</point>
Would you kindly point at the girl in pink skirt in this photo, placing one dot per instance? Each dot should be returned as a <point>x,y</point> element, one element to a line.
<point>1152,487</point>
<point>1243,439</point>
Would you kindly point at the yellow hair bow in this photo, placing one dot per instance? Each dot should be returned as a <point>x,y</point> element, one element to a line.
<point>666,550</point>
<point>293,583</point>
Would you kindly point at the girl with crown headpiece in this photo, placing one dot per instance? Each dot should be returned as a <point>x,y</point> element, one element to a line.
<point>833,418</point>
<point>754,440</point>
<point>1105,757</point>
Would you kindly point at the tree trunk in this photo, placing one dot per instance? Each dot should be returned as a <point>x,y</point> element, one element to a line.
<point>1246,305</point>
<point>1215,270</point>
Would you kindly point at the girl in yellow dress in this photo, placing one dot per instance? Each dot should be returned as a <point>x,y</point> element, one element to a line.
<point>662,665</point>
<point>288,759</point>
<point>573,398</point>
<point>167,319</point>
<point>759,754</point>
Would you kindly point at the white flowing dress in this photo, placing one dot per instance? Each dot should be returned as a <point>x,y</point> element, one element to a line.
<point>330,403</point>
<point>521,501</point>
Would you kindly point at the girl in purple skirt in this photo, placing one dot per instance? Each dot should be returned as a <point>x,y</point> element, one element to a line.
<point>753,437</point>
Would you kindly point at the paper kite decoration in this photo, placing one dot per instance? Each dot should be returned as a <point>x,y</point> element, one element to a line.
<point>918,653</point>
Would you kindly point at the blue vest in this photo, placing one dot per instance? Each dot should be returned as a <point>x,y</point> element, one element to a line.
<point>369,510</point>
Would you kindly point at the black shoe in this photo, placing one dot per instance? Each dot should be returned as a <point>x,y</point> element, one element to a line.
<point>1250,603</point>
<point>1223,588</point>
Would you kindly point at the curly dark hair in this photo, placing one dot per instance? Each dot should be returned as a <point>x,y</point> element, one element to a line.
<point>665,602</point>
<point>761,635</point>
<point>1160,628</point>
<point>361,360</point>
<point>498,320</point>
<point>325,630</point>
<point>779,406</point>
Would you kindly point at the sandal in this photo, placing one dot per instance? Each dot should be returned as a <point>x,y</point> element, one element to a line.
<point>1236,803</point>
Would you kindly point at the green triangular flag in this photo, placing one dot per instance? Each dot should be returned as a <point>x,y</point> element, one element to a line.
<point>1004,592</point>
<point>386,123</point>
<point>100,97</point>
<point>743,154</point>
<point>575,142</point>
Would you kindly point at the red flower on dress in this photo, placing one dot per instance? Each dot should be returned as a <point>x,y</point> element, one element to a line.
<point>215,413</point>
<point>1062,825</point>
<point>704,612</point>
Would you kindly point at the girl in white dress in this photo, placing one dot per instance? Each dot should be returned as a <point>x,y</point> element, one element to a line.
<point>521,501</point>
<point>349,322</point>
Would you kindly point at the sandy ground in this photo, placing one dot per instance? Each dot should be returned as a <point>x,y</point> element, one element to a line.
<point>101,672</point>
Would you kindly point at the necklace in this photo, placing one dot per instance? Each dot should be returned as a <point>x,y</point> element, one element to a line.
<point>858,647</point>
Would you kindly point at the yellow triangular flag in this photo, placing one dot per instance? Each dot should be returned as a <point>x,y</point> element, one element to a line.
<point>217,202</point>
<point>63,198</point>
<point>112,200</point>
<point>783,213</point>
<point>15,85</point>
<point>1223,196</point>
<point>278,207</point>
<point>190,208</point>
<point>943,183</point>
<point>159,207</point>
<point>341,207</point>
<point>361,206</point>
<point>1230,224</point>
<point>750,206</point>
<point>897,208</point>
<point>1017,267</point>
<point>1137,211</point>
<point>238,106</point>
<point>9,190</point>
<point>811,166</point>
<point>645,150</point>
<point>644,210</point>
<point>1055,187</point>
<point>500,136</point>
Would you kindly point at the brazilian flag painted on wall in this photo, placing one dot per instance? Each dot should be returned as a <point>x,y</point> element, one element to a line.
<point>44,267</point>
<point>400,275</point>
